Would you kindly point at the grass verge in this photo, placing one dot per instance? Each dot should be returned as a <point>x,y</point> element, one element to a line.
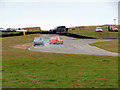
<point>8,33</point>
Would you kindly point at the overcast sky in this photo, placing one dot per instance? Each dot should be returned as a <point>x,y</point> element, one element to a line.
<point>48,14</point>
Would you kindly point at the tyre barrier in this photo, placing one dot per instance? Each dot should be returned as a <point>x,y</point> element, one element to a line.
<point>47,32</point>
<point>77,36</point>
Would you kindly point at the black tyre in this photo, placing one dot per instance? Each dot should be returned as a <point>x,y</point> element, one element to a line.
<point>67,33</point>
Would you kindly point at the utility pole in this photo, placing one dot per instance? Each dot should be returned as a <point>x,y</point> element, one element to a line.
<point>114,21</point>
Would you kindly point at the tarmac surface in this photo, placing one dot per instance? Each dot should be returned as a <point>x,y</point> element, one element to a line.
<point>72,46</point>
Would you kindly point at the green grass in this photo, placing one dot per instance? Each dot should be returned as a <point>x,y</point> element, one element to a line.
<point>108,45</point>
<point>7,33</point>
<point>90,32</point>
<point>29,69</point>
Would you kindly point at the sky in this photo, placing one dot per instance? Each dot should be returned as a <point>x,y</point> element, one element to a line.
<point>49,14</point>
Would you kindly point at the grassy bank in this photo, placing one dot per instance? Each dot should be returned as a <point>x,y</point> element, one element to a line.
<point>90,32</point>
<point>29,69</point>
<point>8,33</point>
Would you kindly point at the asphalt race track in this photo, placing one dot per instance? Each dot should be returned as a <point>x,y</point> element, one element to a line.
<point>72,46</point>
